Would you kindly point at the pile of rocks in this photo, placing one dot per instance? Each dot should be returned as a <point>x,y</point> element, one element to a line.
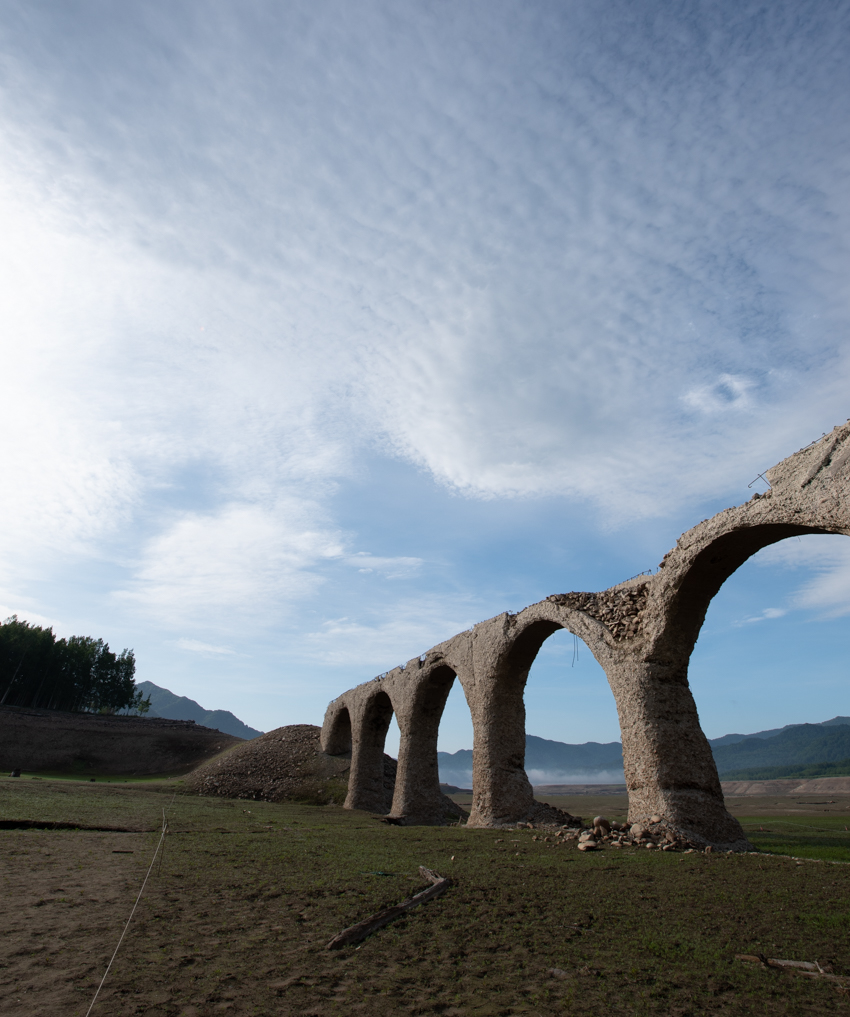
<point>620,610</point>
<point>653,834</point>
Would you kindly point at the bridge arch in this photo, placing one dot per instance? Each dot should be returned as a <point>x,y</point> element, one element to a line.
<point>367,788</point>
<point>418,798</point>
<point>336,730</point>
<point>711,566</point>
<point>642,632</point>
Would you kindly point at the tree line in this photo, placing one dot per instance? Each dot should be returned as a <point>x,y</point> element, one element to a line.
<point>80,673</point>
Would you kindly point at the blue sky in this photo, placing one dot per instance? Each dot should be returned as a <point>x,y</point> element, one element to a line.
<point>331,329</point>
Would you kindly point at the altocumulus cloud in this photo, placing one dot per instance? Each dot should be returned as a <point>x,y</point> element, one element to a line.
<point>561,250</point>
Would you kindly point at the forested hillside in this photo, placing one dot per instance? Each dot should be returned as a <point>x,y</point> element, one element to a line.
<point>800,745</point>
<point>80,673</point>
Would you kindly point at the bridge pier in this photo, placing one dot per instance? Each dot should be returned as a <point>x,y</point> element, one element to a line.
<point>501,791</point>
<point>370,721</point>
<point>418,799</point>
<point>669,768</point>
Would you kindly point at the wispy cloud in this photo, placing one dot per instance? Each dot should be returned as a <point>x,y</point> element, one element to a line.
<point>241,560</point>
<point>409,626</point>
<point>390,568</point>
<point>195,646</point>
<point>826,560</point>
<point>768,614</point>
<point>245,251</point>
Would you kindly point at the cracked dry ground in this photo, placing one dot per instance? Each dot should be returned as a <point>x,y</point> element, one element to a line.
<point>248,895</point>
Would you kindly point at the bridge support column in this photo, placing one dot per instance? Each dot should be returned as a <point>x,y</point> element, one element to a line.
<point>369,724</point>
<point>669,768</point>
<point>418,799</point>
<point>501,792</point>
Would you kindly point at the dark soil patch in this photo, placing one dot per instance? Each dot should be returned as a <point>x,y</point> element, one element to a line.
<point>41,824</point>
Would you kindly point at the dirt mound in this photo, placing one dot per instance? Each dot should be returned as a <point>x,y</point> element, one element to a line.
<point>288,765</point>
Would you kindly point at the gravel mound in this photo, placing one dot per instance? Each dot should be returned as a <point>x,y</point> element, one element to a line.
<point>288,765</point>
<point>282,765</point>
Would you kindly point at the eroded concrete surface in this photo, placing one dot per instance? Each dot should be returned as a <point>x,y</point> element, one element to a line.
<point>642,632</point>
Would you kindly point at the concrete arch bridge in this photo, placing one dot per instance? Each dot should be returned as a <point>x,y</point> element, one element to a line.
<point>641,631</point>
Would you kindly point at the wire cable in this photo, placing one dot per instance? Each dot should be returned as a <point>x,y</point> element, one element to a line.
<point>127,925</point>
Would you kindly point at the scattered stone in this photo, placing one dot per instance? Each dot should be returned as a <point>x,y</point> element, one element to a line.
<point>601,821</point>
<point>16,772</point>
<point>655,819</point>
<point>558,973</point>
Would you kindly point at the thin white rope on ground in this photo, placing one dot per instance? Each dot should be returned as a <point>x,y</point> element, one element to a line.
<point>141,891</point>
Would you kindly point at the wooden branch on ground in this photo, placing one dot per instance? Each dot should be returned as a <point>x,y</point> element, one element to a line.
<point>809,968</point>
<point>361,930</point>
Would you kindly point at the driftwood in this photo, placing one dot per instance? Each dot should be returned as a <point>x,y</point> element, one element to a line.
<point>809,968</point>
<point>361,930</point>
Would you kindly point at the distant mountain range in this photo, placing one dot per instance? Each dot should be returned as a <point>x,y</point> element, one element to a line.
<point>547,762</point>
<point>738,756</point>
<point>730,739</point>
<point>796,745</point>
<point>166,704</point>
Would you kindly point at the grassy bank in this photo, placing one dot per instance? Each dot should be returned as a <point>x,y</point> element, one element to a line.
<point>249,894</point>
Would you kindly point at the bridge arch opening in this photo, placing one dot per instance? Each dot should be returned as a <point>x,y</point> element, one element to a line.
<point>369,787</point>
<point>339,737</point>
<point>568,700</point>
<point>712,567</point>
<point>417,797</point>
<point>502,791</point>
<point>455,737</point>
<point>772,651</point>
<point>377,715</point>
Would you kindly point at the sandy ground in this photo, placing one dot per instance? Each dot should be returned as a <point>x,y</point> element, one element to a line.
<point>63,903</point>
<point>816,786</point>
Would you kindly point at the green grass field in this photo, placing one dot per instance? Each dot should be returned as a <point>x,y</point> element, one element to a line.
<point>237,918</point>
<point>823,838</point>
